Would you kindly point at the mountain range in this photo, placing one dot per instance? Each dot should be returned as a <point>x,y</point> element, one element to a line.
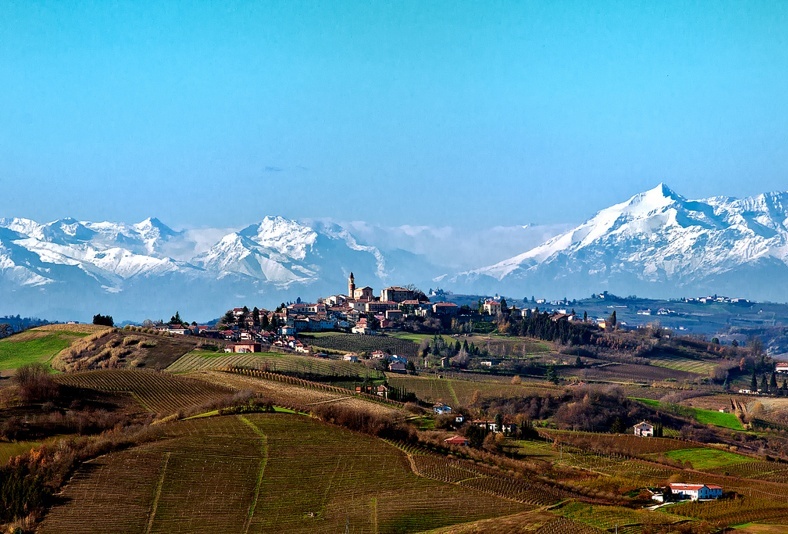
<point>657,244</point>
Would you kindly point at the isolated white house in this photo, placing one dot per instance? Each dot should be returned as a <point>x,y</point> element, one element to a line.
<point>696,491</point>
<point>644,429</point>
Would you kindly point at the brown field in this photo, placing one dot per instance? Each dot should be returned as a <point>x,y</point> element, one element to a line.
<point>461,392</point>
<point>114,349</point>
<point>156,392</point>
<point>628,373</point>
<point>289,394</point>
<point>81,328</point>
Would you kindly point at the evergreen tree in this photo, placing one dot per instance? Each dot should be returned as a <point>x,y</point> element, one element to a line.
<point>585,317</point>
<point>618,426</point>
<point>504,306</point>
<point>176,319</point>
<point>551,374</point>
<point>773,382</point>
<point>754,382</point>
<point>256,316</point>
<point>764,384</point>
<point>613,320</point>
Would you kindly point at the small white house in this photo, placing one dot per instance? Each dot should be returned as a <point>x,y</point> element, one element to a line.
<point>696,491</point>
<point>644,429</point>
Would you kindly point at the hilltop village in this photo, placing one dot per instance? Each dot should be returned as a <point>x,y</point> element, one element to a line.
<point>361,312</point>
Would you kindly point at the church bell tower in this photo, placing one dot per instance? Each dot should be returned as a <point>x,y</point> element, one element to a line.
<point>351,286</point>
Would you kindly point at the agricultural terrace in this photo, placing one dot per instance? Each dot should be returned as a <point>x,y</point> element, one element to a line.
<point>263,473</point>
<point>40,345</point>
<point>689,365</point>
<point>705,417</point>
<point>495,345</point>
<point>619,474</point>
<point>341,343</point>
<point>284,394</point>
<point>707,458</point>
<point>537,521</point>
<point>464,392</point>
<point>624,520</point>
<point>156,392</point>
<point>275,362</point>
<point>626,444</point>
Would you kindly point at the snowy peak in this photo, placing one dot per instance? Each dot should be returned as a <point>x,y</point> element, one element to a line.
<point>659,237</point>
<point>286,237</point>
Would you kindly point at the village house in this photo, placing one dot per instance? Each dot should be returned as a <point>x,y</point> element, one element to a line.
<point>244,347</point>
<point>444,309</point>
<point>781,367</point>
<point>397,294</point>
<point>362,327</point>
<point>491,307</point>
<point>352,358</point>
<point>695,492</point>
<point>456,440</point>
<point>644,429</point>
<point>397,367</point>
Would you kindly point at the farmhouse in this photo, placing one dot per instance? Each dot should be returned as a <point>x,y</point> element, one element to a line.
<point>243,347</point>
<point>456,440</point>
<point>644,429</point>
<point>696,491</point>
<point>781,367</point>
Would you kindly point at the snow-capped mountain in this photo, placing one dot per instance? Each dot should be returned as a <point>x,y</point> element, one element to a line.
<point>657,243</point>
<point>68,265</point>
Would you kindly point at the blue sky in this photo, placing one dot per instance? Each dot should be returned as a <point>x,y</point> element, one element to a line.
<point>458,113</point>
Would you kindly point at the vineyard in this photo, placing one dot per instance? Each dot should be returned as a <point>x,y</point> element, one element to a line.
<point>263,473</point>
<point>689,365</point>
<point>292,394</point>
<point>734,511</point>
<point>273,362</point>
<point>337,342</point>
<point>626,444</point>
<point>625,520</point>
<point>156,392</point>
<point>462,392</point>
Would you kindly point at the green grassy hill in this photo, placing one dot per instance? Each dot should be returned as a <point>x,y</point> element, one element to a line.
<point>40,345</point>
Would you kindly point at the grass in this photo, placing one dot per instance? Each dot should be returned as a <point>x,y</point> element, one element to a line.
<point>35,346</point>
<point>707,458</point>
<point>703,416</point>
<point>722,419</point>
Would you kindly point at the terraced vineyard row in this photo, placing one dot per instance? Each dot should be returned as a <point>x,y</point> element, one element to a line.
<point>628,444</point>
<point>156,392</point>
<point>273,362</point>
<point>701,367</point>
<point>612,517</point>
<point>736,511</point>
<point>339,342</point>
<point>481,478</point>
<point>201,481</point>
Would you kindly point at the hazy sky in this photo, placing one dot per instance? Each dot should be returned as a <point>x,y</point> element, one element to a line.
<point>458,113</point>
